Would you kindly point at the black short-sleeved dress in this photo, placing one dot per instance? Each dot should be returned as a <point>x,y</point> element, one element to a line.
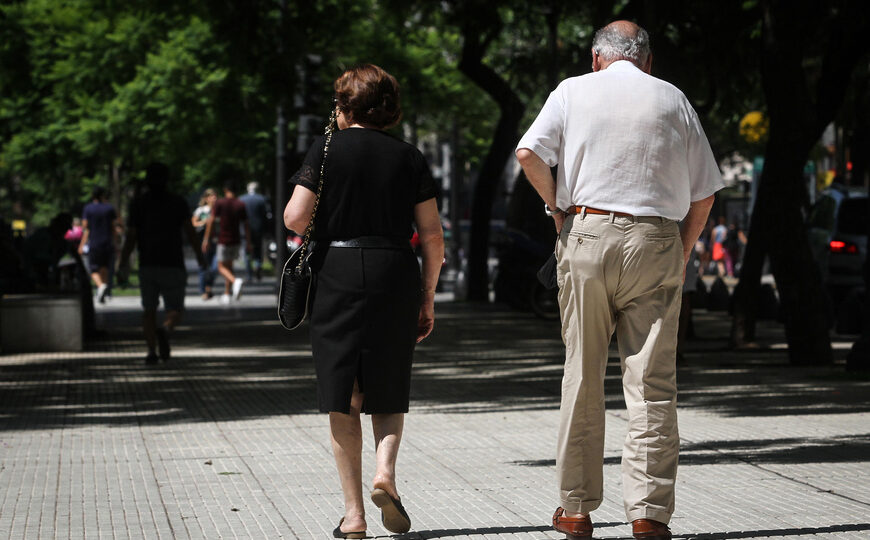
<point>365,300</point>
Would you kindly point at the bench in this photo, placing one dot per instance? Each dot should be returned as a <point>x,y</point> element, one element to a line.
<point>40,323</point>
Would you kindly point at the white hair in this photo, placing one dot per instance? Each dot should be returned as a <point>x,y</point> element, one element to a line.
<point>253,187</point>
<point>612,44</point>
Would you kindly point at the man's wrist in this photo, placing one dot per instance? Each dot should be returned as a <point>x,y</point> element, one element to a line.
<point>551,212</point>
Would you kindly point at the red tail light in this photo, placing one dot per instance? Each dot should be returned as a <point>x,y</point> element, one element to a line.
<point>838,246</point>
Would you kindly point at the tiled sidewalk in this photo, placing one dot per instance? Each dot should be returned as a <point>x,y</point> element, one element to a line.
<point>225,442</point>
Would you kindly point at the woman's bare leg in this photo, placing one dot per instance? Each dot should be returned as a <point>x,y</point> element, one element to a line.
<point>388,435</point>
<point>347,449</point>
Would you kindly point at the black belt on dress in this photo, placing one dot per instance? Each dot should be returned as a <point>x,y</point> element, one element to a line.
<point>383,242</point>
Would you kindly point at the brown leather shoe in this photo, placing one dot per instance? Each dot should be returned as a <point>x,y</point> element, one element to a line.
<point>650,529</point>
<point>576,528</point>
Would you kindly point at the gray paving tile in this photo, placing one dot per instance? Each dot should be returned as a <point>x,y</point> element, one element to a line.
<point>225,441</point>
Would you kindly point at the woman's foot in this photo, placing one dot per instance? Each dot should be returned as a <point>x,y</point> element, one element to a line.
<point>393,514</point>
<point>386,483</point>
<point>346,529</point>
<point>352,524</point>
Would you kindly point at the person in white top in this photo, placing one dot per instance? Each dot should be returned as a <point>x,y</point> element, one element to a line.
<point>633,160</point>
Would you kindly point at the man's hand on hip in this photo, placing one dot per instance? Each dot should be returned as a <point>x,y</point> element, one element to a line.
<point>559,221</point>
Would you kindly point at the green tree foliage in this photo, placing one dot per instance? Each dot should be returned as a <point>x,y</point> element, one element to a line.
<point>91,92</point>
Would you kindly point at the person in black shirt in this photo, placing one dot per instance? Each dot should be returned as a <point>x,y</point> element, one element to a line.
<point>369,303</point>
<point>157,220</point>
<point>99,224</point>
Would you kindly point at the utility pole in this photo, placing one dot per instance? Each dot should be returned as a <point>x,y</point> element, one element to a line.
<point>455,200</point>
<point>281,155</point>
<point>551,14</point>
<point>306,100</point>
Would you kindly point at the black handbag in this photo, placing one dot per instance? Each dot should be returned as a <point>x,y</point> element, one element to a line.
<point>294,290</point>
<point>295,285</point>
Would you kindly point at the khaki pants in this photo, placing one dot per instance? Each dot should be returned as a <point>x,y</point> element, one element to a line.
<point>623,274</point>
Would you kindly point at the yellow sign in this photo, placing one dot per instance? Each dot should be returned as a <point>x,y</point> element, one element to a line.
<point>753,127</point>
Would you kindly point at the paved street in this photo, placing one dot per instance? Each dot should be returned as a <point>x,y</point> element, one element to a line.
<point>224,441</point>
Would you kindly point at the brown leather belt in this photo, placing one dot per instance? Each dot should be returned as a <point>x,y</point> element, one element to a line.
<point>590,210</point>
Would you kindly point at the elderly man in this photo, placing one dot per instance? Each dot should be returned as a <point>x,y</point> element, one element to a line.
<point>258,213</point>
<point>633,161</point>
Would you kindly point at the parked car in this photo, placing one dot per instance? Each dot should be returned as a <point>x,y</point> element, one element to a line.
<point>838,226</point>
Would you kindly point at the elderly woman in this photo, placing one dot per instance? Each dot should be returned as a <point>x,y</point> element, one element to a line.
<point>370,304</point>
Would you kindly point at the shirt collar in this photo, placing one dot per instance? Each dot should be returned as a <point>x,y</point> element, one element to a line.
<point>622,65</point>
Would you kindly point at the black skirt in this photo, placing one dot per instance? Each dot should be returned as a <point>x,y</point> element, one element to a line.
<point>363,326</point>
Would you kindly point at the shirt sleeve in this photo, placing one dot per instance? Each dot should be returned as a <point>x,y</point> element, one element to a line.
<point>544,136</point>
<point>705,179</point>
<point>308,174</point>
<point>217,208</point>
<point>426,187</point>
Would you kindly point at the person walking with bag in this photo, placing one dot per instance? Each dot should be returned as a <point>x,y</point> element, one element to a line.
<point>633,161</point>
<point>369,303</point>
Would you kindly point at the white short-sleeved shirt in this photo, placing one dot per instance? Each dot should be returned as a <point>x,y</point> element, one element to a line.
<point>624,141</point>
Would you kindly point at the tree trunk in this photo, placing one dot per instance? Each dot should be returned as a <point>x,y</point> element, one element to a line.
<point>502,147</point>
<point>804,88</point>
<point>485,188</point>
<point>798,280</point>
<point>745,309</point>
<point>115,184</point>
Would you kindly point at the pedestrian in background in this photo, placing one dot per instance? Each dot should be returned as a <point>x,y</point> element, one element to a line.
<point>199,221</point>
<point>369,303</point>
<point>633,160</point>
<point>686,328</point>
<point>74,234</point>
<point>158,224</point>
<point>721,255</point>
<point>257,210</point>
<point>734,243</point>
<point>43,251</point>
<point>230,214</point>
<point>100,223</point>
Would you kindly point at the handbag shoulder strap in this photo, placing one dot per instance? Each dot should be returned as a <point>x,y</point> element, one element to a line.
<point>310,228</point>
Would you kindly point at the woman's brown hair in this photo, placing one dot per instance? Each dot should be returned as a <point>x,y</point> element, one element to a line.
<point>203,200</point>
<point>367,94</point>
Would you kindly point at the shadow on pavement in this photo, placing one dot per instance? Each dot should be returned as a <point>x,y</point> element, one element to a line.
<point>808,531</point>
<point>777,532</point>
<point>845,449</point>
<point>239,363</point>
<point>446,533</point>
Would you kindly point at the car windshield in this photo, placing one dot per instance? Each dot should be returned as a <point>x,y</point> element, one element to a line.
<point>854,216</point>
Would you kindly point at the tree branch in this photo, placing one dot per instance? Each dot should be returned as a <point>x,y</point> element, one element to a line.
<point>472,66</point>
